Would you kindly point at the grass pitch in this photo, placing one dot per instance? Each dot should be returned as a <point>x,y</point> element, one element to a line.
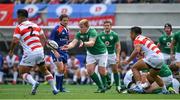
<point>76,92</point>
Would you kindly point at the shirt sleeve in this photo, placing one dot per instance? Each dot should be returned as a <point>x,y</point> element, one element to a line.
<point>175,37</point>
<point>77,36</point>
<point>17,33</point>
<point>116,38</point>
<point>93,34</point>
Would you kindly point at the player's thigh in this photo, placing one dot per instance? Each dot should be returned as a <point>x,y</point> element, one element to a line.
<point>111,59</point>
<point>177,57</point>
<point>140,65</point>
<point>102,59</point>
<point>24,69</point>
<point>90,59</point>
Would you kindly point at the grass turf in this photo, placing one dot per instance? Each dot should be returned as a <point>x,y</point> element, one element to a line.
<point>76,92</point>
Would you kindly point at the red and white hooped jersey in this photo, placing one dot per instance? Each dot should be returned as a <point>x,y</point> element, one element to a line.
<point>28,33</point>
<point>10,61</point>
<point>148,46</point>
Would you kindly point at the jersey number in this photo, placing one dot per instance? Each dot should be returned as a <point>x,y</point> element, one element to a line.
<point>31,33</point>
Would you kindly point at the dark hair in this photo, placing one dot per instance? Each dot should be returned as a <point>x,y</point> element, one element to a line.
<point>137,30</point>
<point>107,21</point>
<point>168,25</point>
<point>22,13</point>
<point>63,16</point>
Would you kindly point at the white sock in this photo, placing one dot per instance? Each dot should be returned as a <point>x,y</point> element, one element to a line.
<point>15,75</point>
<point>75,78</point>
<point>51,82</point>
<point>83,78</point>
<point>29,78</point>
<point>1,76</point>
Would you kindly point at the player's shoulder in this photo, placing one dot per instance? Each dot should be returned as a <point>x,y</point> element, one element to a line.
<point>140,37</point>
<point>114,33</point>
<point>92,30</point>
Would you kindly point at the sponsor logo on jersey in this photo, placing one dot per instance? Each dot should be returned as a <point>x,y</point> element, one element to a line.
<point>81,36</point>
<point>111,37</point>
<point>103,37</point>
<point>107,43</point>
<point>164,39</point>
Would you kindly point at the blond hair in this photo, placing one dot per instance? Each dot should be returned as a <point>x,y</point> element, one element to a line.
<point>85,22</point>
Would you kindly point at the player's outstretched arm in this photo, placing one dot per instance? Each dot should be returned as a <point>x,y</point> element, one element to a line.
<point>90,43</point>
<point>135,52</point>
<point>14,42</point>
<point>70,45</point>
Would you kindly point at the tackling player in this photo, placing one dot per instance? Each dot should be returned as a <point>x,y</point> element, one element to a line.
<point>152,60</point>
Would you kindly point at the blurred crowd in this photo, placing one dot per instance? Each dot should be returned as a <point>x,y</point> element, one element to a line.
<point>76,72</point>
<point>85,1</point>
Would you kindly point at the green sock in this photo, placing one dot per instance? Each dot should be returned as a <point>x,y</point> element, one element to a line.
<point>95,78</point>
<point>108,79</point>
<point>158,90</point>
<point>104,80</point>
<point>117,79</point>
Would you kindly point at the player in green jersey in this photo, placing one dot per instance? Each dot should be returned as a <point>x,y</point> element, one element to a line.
<point>111,40</point>
<point>164,42</point>
<point>96,53</point>
<point>175,54</point>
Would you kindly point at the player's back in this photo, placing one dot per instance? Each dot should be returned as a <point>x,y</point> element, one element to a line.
<point>148,46</point>
<point>29,35</point>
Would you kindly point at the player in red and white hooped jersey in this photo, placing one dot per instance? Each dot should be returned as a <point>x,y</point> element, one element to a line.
<point>31,38</point>
<point>152,60</point>
<point>28,34</point>
<point>10,66</point>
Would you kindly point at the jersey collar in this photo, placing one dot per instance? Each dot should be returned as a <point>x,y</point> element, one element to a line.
<point>107,33</point>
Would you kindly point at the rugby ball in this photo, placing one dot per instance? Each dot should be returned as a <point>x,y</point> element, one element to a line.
<point>52,44</point>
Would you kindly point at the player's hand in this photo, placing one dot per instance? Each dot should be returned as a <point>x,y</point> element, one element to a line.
<point>81,44</point>
<point>57,55</point>
<point>65,47</point>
